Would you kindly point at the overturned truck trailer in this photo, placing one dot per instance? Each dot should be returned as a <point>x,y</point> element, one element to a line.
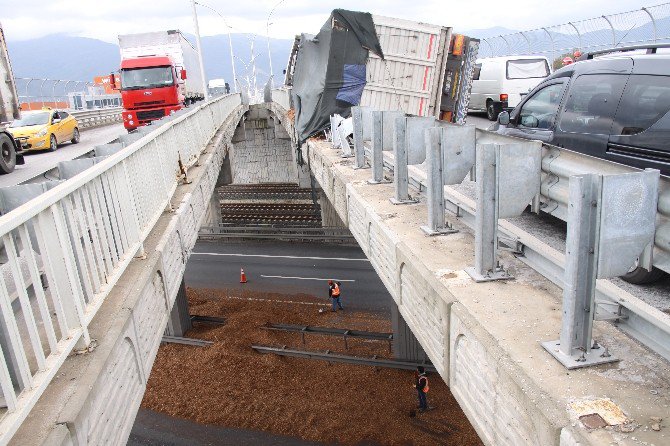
<point>382,62</point>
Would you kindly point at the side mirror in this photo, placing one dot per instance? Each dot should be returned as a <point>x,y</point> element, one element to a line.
<point>55,120</point>
<point>182,74</point>
<point>530,121</point>
<point>112,81</point>
<point>503,118</point>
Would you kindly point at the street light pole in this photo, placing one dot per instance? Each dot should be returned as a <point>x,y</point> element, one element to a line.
<point>267,33</point>
<point>230,42</point>
<point>197,38</point>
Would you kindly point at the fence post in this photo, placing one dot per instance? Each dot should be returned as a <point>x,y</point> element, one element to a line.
<point>553,44</point>
<point>653,22</point>
<point>612,28</point>
<point>527,41</point>
<point>579,35</point>
<point>509,48</point>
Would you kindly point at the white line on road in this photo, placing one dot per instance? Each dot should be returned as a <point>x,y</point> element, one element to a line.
<point>307,278</point>
<point>278,257</point>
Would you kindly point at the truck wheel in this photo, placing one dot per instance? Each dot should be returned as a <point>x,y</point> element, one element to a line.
<point>53,144</point>
<point>8,152</point>
<point>640,276</point>
<point>75,136</point>
<point>493,110</point>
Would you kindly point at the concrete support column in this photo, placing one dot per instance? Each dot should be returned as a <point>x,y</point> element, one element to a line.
<point>213,213</point>
<point>180,318</point>
<point>329,216</point>
<point>405,344</point>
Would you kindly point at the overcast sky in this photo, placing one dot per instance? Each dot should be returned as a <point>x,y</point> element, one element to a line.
<point>105,19</point>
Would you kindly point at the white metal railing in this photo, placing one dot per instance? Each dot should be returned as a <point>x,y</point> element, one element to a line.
<point>65,250</point>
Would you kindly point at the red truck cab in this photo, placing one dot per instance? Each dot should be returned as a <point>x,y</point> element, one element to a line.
<point>151,88</point>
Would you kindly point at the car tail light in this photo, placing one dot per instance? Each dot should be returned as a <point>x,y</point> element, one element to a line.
<point>503,97</point>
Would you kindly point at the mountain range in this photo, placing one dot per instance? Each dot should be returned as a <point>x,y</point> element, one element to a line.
<point>59,56</point>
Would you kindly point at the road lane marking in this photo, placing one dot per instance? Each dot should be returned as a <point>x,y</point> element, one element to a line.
<point>278,257</point>
<point>307,278</point>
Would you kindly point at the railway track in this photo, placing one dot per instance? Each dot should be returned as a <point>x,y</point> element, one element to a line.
<point>246,205</point>
<point>268,191</point>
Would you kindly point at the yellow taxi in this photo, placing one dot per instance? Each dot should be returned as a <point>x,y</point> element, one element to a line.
<point>45,129</point>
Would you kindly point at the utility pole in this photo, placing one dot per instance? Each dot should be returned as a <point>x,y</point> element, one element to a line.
<point>197,38</point>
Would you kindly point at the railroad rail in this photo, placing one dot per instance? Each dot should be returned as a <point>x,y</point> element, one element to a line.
<point>254,213</point>
<point>268,191</point>
<point>334,357</point>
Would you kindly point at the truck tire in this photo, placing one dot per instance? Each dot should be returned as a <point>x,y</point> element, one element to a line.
<point>493,109</point>
<point>640,276</point>
<point>8,152</point>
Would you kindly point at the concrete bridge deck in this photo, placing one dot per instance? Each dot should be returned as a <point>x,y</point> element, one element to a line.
<point>484,338</point>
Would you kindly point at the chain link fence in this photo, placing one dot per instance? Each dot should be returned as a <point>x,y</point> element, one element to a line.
<point>36,93</point>
<point>649,25</point>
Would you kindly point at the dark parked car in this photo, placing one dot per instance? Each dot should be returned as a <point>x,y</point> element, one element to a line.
<point>610,105</point>
<point>615,107</point>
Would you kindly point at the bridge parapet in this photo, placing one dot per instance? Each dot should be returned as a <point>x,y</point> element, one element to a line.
<point>66,250</point>
<point>483,338</point>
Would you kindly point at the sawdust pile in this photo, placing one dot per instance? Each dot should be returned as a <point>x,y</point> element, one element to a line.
<point>231,385</point>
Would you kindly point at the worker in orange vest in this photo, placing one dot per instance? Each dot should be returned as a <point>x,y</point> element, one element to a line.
<point>334,293</point>
<point>421,385</point>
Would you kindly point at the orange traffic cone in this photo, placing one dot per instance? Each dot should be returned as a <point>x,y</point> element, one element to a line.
<point>243,277</point>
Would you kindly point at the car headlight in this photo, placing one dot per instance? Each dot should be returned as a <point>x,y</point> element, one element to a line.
<point>130,116</point>
<point>41,133</point>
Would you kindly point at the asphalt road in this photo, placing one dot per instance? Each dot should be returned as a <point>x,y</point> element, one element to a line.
<point>479,120</point>
<point>156,429</point>
<point>289,268</point>
<point>39,162</point>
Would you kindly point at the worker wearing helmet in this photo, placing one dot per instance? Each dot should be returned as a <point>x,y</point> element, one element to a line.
<point>421,386</point>
<point>334,293</point>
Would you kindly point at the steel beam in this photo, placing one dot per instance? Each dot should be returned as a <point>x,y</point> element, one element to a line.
<point>333,357</point>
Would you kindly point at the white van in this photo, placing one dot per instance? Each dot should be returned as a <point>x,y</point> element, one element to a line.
<point>499,83</point>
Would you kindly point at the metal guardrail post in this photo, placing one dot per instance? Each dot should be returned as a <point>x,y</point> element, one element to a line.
<point>508,177</point>
<point>400,173</point>
<point>437,224</point>
<point>450,153</point>
<point>611,220</point>
<point>359,149</point>
<point>377,147</point>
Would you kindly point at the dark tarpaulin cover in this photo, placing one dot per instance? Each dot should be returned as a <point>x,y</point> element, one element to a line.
<point>329,73</point>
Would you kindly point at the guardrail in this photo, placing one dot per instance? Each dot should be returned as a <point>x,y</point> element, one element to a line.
<point>97,117</point>
<point>437,153</point>
<point>66,249</point>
